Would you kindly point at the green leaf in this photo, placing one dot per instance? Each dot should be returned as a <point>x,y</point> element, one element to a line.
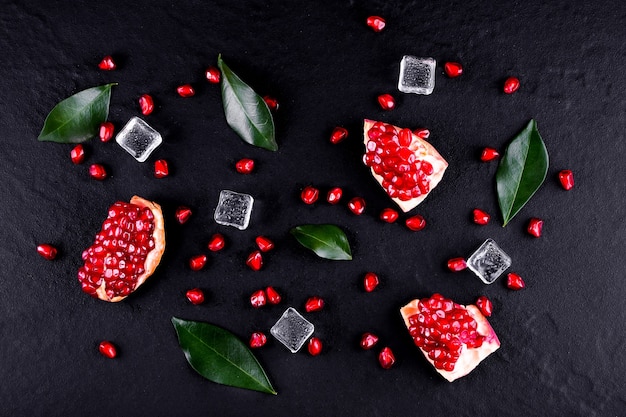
<point>521,171</point>
<point>78,117</point>
<point>246,112</point>
<point>219,356</point>
<point>326,240</point>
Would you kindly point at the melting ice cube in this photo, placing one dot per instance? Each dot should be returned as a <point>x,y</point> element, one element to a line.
<point>234,209</point>
<point>489,261</point>
<point>292,330</point>
<point>417,75</point>
<point>138,139</point>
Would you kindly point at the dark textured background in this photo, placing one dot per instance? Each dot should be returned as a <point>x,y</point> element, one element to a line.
<point>563,337</point>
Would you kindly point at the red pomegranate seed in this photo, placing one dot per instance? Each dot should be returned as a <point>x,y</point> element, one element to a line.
<point>386,101</point>
<point>195,296</point>
<point>258,299</point>
<point>334,195</point>
<point>264,243</point>
<point>514,281</point>
<point>313,304</point>
<point>183,214</point>
<point>370,281</point>
<point>368,340</point>
<point>244,166</point>
<point>357,205</point>
<point>422,133</point>
<point>216,243</point>
<point>566,177</point>
<point>47,251</point>
<point>389,215</point>
<point>212,75</point>
<point>107,63</point>
<point>484,305</point>
<point>376,23</point>
<point>107,349</point>
<point>415,223</point>
<point>271,102</point>
<point>453,69</point>
<point>511,85</point>
<point>77,154</point>
<point>106,131</point>
<point>161,169</point>
<point>309,194</point>
<point>489,154</point>
<point>255,260</point>
<point>146,104</point>
<point>339,134</point>
<point>315,346</point>
<point>481,217</point>
<point>457,264</point>
<point>257,340</point>
<point>185,90</point>
<point>197,262</point>
<point>386,358</point>
<point>97,172</point>
<point>534,227</point>
<point>273,297</point>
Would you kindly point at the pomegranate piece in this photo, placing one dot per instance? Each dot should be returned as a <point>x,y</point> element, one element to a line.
<point>257,340</point>
<point>389,215</point>
<point>534,227</point>
<point>370,281</point>
<point>422,133</point>
<point>453,69</point>
<point>386,358</point>
<point>481,217</point>
<point>197,262</point>
<point>161,170</point>
<point>107,63</point>
<point>309,194</point>
<point>271,102</point>
<point>368,340</point>
<point>272,296</point>
<point>77,154</point>
<point>217,242</point>
<point>97,172</point>
<point>315,346</point>
<point>452,337</point>
<point>185,90</point>
<point>212,75</point>
<point>258,299</point>
<point>255,260</point>
<point>47,251</point>
<point>484,305</point>
<point>489,154</point>
<point>107,349</point>
<point>245,166</point>
<point>357,205</point>
<point>106,131</point>
<point>183,214</point>
<point>415,223</point>
<point>405,165</point>
<point>146,104</point>
<point>126,250</point>
<point>511,85</point>
<point>376,23</point>
<point>195,296</point>
<point>339,134</point>
<point>566,178</point>
<point>264,244</point>
<point>514,281</point>
<point>314,304</point>
<point>334,195</point>
<point>457,264</point>
<point>386,101</point>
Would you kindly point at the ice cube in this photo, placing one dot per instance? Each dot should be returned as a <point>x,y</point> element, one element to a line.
<point>234,209</point>
<point>417,75</point>
<point>292,330</point>
<point>138,139</point>
<point>489,261</point>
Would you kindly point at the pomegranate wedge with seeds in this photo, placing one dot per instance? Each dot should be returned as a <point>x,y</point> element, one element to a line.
<point>405,165</point>
<point>126,251</point>
<point>453,338</point>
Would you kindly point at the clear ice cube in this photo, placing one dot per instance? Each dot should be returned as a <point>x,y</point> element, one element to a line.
<point>417,75</point>
<point>234,209</point>
<point>292,330</point>
<point>489,261</point>
<point>138,139</point>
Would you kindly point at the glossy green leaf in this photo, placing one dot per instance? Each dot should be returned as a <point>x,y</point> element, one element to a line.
<point>326,240</point>
<point>77,118</point>
<point>219,356</point>
<point>246,112</point>
<point>521,172</point>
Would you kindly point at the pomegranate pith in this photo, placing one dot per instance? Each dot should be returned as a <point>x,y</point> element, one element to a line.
<point>368,340</point>
<point>257,340</point>
<point>264,243</point>
<point>47,251</point>
<point>481,217</point>
<point>309,194</point>
<point>511,85</point>
<point>97,172</point>
<point>258,299</point>
<point>376,23</point>
<point>255,260</point>
<point>334,195</point>
<point>357,205</point>
<point>315,346</point>
<point>339,134</point>
<point>146,104</point>
<point>183,214</point>
<point>106,131</point>
<point>534,227</point>
<point>186,90</point>
<point>389,215</point>
<point>244,166</point>
<point>107,63</point>
<point>566,178</point>
<point>197,262</point>
<point>370,281</point>
<point>453,69</point>
<point>314,304</point>
<point>77,154</point>
<point>386,101</point>
<point>514,281</point>
<point>272,296</point>
<point>415,223</point>
<point>212,75</point>
<point>217,242</point>
<point>386,358</point>
<point>457,264</point>
<point>161,169</point>
<point>195,296</point>
<point>107,349</point>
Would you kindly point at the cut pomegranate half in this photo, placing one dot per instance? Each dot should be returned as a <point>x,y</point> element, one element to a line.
<point>405,165</point>
<point>126,250</point>
<point>453,338</point>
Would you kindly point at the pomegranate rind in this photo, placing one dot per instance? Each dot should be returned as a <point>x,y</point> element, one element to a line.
<point>470,357</point>
<point>153,258</point>
<point>424,151</point>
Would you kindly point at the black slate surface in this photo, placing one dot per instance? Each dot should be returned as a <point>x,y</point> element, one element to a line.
<point>563,337</point>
